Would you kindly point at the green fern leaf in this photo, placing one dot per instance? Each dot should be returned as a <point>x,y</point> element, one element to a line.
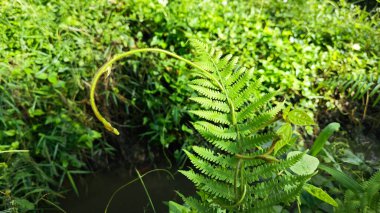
<point>212,104</point>
<point>236,88</point>
<point>209,93</point>
<point>213,116</point>
<point>254,141</point>
<point>260,121</point>
<point>204,83</point>
<point>235,76</point>
<point>222,160</point>
<point>216,173</point>
<point>267,170</point>
<point>206,65</point>
<point>245,95</point>
<point>224,62</point>
<point>255,105</point>
<point>229,68</point>
<point>215,188</point>
<point>216,131</point>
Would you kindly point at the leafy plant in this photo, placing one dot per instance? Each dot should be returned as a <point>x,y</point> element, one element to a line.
<point>362,87</point>
<point>246,168</point>
<point>364,197</point>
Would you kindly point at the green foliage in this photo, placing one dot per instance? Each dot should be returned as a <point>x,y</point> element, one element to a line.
<point>323,137</point>
<point>241,173</point>
<point>320,194</point>
<point>49,50</point>
<point>367,199</point>
<point>364,86</point>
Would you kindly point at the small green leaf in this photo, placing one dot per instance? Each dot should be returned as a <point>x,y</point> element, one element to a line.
<point>320,194</point>
<point>299,117</point>
<point>35,112</point>
<point>307,165</point>
<point>285,112</point>
<point>323,137</point>
<point>53,78</point>
<point>41,75</point>
<point>24,204</point>
<point>285,133</point>
<point>177,208</point>
<point>11,132</point>
<point>342,178</point>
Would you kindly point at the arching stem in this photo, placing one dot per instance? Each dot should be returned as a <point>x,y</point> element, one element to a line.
<point>106,69</point>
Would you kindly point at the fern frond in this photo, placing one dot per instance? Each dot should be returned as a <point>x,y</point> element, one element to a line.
<point>260,121</point>
<point>255,105</point>
<point>283,196</point>
<point>229,68</point>
<point>236,88</point>
<point>231,118</point>
<point>254,141</point>
<point>278,184</point>
<point>235,76</point>
<point>207,103</point>
<point>268,170</point>
<point>209,93</point>
<point>216,173</point>
<point>224,62</point>
<point>219,159</point>
<point>204,83</point>
<point>213,116</point>
<point>245,95</point>
<point>194,203</point>
<point>213,132</point>
<point>357,86</point>
<point>207,66</point>
<point>215,188</point>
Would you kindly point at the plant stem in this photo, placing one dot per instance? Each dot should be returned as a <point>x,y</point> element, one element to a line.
<point>106,68</point>
<point>146,190</point>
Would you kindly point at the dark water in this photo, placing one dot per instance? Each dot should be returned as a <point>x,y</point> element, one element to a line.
<point>96,190</point>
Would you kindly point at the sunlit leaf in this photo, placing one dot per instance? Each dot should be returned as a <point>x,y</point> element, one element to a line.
<point>299,117</point>
<point>323,137</point>
<point>320,194</point>
<point>307,165</point>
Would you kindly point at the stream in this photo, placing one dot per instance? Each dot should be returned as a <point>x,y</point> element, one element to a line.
<point>96,190</point>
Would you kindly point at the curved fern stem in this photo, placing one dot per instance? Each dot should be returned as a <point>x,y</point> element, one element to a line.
<point>266,157</point>
<point>106,69</point>
<point>238,202</point>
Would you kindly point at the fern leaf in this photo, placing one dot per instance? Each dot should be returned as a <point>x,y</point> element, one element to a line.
<point>209,93</point>
<point>245,95</point>
<point>229,68</point>
<point>255,105</point>
<point>215,188</point>
<point>204,83</point>
<point>267,170</point>
<point>216,173</point>
<point>283,196</point>
<point>278,184</point>
<point>235,76</point>
<point>224,61</point>
<point>206,65</point>
<point>212,104</point>
<point>252,142</point>
<point>222,160</point>
<point>259,122</point>
<point>193,203</point>
<point>213,116</point>
<point>216,131</point>
<point>236,88</point>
